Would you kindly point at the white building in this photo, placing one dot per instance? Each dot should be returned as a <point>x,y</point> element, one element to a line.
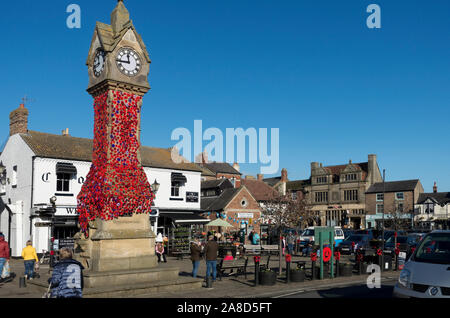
<point>433,210</point>
<point>40,166</point>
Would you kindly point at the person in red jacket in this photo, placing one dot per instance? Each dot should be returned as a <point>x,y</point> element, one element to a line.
<point>4,252</point>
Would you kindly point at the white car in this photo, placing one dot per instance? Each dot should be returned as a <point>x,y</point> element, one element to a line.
<point>427,273</point>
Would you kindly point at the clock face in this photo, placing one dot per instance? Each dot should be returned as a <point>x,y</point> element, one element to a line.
<point>128,62</point>
<point>99,63</point>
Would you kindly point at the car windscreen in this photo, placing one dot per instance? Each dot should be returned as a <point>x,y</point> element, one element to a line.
<point>308,233</point>
<point>356,238</point>
<point>339,232</point>
<point>434,249</point>
<point>400,239</point>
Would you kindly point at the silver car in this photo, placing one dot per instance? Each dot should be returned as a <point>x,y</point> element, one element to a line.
<point>427,273</point>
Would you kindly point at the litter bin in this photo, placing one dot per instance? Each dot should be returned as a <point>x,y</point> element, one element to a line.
<point>387,266</point>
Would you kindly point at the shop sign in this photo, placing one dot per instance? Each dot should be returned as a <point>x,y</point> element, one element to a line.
<point>192,197</point>
<point>245,215</point>
<point>70,243</point>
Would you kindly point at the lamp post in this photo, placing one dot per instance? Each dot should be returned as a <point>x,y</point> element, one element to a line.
<point>382,229</point>
<point>155,188</point>
<point>52,229</point>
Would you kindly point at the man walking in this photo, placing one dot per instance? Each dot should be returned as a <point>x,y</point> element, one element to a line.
<point>290,243</point>
<point>211,251</point>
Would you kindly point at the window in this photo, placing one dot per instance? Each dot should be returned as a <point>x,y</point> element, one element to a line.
<point>380,208</point>
<point>14,177</point>
<point>294,195</point>
<point>321,196</point>
<point>429,208</point>
<point>63,182</point>
<point>233,182</point>
<point>175,191</point>
<point>350,195</point>
<point>351,177</point>
<point>380,197</point>
<point>399,196</point>
<point>322,179</point>
<point>400,207</point>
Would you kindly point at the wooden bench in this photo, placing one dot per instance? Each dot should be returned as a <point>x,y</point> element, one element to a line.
<point>252,249</point>
<point>269,249</point>
<point>239,264</point>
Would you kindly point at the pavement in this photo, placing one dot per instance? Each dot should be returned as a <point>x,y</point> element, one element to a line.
<point>229,287</point>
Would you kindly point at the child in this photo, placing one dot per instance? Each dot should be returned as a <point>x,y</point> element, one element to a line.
<point>229,256</point>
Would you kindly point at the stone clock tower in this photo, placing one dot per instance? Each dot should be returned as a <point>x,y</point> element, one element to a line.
<point>116,243</point>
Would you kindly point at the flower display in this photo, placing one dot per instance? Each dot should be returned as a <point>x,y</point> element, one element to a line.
<point>116,184</point>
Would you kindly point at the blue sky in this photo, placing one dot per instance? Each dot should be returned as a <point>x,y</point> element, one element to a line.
<point>336,89</point>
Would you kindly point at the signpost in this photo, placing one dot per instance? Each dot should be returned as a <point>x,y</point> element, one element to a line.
<point>325,236</point>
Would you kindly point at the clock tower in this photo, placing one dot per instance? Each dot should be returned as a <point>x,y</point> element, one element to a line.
<point>118,66</point>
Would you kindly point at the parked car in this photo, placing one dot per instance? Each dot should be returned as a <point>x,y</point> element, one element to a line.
<point>365,232</point>
<point>360,242</point>
<point>308,236</point>
<point>389,233</point>
<point>348,232</point>
<point>427,273</point>
<point>389,246</point>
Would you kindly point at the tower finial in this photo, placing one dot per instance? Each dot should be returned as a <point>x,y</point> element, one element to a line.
<point>119,16</point>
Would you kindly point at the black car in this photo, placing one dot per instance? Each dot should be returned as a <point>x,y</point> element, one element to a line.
<point>361,242</point>
<point>389,233</point>
<point>389,246</point>
<point>348,232</point>
<point>365,232</point>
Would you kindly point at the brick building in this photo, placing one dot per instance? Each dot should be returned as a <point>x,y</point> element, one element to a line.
<point>397,199</point>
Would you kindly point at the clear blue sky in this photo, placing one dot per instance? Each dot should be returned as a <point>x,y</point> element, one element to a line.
<point>336,89</point>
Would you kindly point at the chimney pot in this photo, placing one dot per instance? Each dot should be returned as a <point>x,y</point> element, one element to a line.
<point>260,177</point>
<point>435,189</point>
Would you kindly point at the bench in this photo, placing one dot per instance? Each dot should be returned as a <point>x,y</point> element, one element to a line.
<point>239,264</point>
<point>271,249</point>
<point>263,263</point>
<point>252,249</point>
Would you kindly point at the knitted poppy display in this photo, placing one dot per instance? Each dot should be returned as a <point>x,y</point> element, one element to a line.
<point>116,184</point>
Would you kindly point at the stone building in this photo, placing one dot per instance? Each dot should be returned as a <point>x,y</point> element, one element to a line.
<point>336,194</point>
<point>396,199</point>
<point>277,183</point>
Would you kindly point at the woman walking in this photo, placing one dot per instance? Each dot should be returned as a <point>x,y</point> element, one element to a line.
<point>30,258</point>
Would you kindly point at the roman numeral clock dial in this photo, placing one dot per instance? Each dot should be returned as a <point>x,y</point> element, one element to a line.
<point>128,62</point>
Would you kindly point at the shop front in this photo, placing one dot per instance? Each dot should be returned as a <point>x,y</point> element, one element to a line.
<point>180,228</point>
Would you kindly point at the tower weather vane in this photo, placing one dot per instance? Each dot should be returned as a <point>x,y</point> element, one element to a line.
<point>25,100</point>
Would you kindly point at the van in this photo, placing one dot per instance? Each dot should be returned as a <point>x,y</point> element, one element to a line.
<point>308,235</point>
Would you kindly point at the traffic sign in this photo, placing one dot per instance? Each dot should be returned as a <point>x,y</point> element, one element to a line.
<point>327,254</point>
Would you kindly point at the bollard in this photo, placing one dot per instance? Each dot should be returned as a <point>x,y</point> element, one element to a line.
<point>337,256</point>
<point>22,282</point>
<point>313,262</point>
<point>209,282</point>
<point>288,268</point>
<point>257,260</point>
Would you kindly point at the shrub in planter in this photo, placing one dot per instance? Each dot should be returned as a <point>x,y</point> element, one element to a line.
<point>297,275</point>
<point>326,271</point>
<point>267,278</point>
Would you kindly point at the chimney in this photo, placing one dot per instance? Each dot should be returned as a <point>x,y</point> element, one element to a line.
<point>18,121</point>
<point>65,132</point>
<point>236,167</point>
<point>260,177</point>
<point>350,162</point>
<point>284,175</point>
<point>435,187</point>
<point>372,167</point>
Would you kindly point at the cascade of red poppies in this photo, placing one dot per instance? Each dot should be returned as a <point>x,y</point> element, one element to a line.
<point>116,184</point>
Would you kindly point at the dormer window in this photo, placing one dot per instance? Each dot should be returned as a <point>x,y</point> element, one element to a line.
<point>178,181</point>
<point>351,177</point>
<point>323,179</point>
<point>64,173</point>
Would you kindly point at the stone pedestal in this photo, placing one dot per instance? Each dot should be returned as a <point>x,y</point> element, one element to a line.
<point>120,252</point>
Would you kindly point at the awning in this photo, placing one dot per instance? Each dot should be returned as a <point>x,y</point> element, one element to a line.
<point>179,177</point>
<point>185,217</point>
<point>66,168</point>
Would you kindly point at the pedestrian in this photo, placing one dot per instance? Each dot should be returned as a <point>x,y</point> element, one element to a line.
<point>67,279</point>
<point>283,244</point>
<point>229,256</point>
<point>166,244</point>
<point>211,251</point>
<point>196,251</point>
<point>250,237</point>
<point>160,251</point>
<point>4,253</point>
<point>29,259</point>
<point>290,243</point>
<point>255,238</point>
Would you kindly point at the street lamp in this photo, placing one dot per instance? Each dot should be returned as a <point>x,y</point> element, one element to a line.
<point>52,229</point>
<point>155,186</point>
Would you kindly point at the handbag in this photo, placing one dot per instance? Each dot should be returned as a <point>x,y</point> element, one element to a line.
<point>6,270</point>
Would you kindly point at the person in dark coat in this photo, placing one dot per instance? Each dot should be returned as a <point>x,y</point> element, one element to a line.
<point>196,257</point>
<point>211,252</point>
<point>67,280</point>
